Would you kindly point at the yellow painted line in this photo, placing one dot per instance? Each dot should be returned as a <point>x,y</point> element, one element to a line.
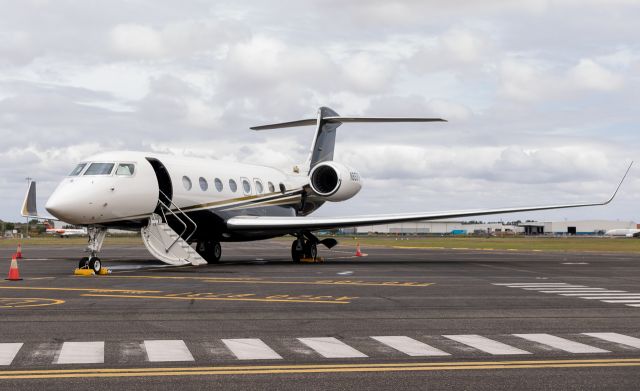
<point>19,302</point>
<point>289,369</point>
<point>220,299</point>
<point>258,281</point>
<point>76,289</point>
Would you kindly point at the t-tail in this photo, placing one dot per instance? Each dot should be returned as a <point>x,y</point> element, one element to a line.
<point>327,122</point>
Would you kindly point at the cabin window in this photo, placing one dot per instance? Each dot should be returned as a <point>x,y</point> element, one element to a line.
<point>246,186</point>
<point>186,182</point>
<point>99,169</point>
<point>272,188</point>
<point>259,187</point>
<point>125,169</point>
<point>232,185</point>
<point>218,184</point>
<point>203,184</point>
<point>76,171</point>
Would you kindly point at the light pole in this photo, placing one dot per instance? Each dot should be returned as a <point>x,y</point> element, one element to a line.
<point>29,179</point>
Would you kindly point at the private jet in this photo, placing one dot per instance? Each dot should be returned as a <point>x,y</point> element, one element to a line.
<point>64,232</point>
<point>179,201</point>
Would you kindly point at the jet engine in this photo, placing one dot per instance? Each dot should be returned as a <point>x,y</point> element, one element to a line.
<point>334,181</point>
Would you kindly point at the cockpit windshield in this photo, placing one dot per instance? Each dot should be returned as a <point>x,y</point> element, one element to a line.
<point>76,171</point>
<point>99,169</point>
<point>125,169</point>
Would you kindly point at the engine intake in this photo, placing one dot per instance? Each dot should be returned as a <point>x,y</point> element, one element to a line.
<point>334,181</point>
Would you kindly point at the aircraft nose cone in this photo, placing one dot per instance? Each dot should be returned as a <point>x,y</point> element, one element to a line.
<point>60,208</point>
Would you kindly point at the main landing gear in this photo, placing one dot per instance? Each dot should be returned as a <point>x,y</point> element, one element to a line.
<point>306,246</point>
<point>96,238</point>
<point>210,250</point>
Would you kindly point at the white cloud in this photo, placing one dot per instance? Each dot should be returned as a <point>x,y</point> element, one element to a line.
<point>136,41</point>
<point>589,74</point>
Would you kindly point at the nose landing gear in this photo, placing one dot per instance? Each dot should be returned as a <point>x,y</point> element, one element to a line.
<point>96,238</point>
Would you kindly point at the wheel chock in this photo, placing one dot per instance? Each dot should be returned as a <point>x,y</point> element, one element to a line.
<point>104,271</point>
<point>312,260</point>
<point>84,272</point>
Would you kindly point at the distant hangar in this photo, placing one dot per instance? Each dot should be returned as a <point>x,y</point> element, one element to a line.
<point>437,227</point>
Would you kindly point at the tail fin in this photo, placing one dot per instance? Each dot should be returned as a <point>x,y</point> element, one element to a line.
<point>326,124</point>
<point>29,208</point>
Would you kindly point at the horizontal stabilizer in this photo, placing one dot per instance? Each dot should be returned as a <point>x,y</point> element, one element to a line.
<point>314,121</point>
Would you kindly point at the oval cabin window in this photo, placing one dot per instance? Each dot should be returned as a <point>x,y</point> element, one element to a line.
<point>232,185</point>
<point>203,184</point>
<point>218,184</point>
<point>186,182</point>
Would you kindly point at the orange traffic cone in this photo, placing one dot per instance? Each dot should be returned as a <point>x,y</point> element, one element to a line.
<point>358,252</point>
<point>19,251</point>
<point>14,274</point>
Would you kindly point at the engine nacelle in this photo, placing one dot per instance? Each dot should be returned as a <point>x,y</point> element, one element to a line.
<point>334,181</point>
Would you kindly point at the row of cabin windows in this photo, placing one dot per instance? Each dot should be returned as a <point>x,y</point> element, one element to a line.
<point>233,186</point>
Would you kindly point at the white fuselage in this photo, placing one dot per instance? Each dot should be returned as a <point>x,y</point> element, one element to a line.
<point>119,195</point>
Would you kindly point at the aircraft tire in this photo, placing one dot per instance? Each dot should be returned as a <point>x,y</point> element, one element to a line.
<point>296,254</point>
<point>210,250</point>
<point>310,250</point>
<point>95,264</point>
<point>84,261</point>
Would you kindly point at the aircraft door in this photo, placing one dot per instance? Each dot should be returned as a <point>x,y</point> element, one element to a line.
<point>164,180</point>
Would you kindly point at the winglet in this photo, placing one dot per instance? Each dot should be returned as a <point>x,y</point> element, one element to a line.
<point>619,184</point>
<point>29,208</point>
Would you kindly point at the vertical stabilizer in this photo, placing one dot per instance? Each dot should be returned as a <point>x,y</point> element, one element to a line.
<point>324,140</point>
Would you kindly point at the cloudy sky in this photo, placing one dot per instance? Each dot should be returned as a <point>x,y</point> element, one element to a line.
<point>542,96</point>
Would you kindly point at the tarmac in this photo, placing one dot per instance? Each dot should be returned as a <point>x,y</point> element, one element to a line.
<point>394,319</point>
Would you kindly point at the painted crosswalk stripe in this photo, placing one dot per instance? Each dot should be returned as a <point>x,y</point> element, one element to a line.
<point>541,288</point>
<point>330,347</point>
<point>81,353</point>
<point>577,291</point>
<point>8,352</point>
<point>250,349</point>
<point>530,283</point>
<point>617,338</point>
<point>485,344</point>
<point>410,346</point>
<point>607,293</point>
<point>561,343</point>
<point>167,350</point>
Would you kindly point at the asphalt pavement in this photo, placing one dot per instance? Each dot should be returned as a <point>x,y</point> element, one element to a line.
<point>397,318</point>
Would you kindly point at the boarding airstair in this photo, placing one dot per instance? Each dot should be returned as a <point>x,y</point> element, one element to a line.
<point>167,245</point>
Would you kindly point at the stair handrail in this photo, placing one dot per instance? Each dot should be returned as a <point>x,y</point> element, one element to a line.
<point>165,206</point>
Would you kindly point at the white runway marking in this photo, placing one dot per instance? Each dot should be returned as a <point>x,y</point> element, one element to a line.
<point>610,297</point>
<point>532,284</point>
<point>410,346</point>
<point>81,353</point>
<point>8,352</point>
<point>598,290</point>
<point>561,343</point>
<point>633,305</point>
<point>250,349</point>
<point>617,338</point>
<point>485,344</point>
<point>542,288</point>
<point>621,301</point>
<point>330,347</point>
<point>607,293</point>
<point>167,350</point>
